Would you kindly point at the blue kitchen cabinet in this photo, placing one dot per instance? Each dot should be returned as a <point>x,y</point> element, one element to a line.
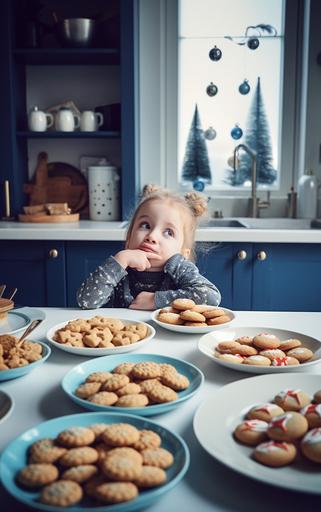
<point>81,259</point>
<point>37,269</point>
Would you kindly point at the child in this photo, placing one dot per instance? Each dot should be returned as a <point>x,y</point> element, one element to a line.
<point>155,267</point>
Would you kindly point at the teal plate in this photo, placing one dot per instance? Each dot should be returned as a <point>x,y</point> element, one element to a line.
<point>14,373</point>
<point>14,458</point>
<point>78,374</point>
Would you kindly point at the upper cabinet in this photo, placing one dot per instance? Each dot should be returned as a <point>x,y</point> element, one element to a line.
<point>46,63</point>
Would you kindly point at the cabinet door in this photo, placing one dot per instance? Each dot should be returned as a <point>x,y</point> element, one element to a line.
<point>289,279</point>
<point>219,263</point>
<point>83,258</point>
<point>37,272</point>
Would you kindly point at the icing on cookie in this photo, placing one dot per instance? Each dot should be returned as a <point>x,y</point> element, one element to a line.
<point>280,361</point>
<point>281,421</point>
<point>312,408</point>
<point>272,446</point>
<point>313,436</point>
<point>254,425</point>
<point>265,408</point>
<point>290,393</point>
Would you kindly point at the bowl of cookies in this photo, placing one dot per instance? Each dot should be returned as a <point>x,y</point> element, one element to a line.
<point>261,349</point>
<point>144,384</point>
<point>185,316</point>
<point>19,358</point>
<point>100,335</point>
<point>94,461</point>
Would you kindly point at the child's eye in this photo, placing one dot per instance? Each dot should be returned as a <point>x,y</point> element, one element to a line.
<point>169,232</point>
<point>144,225</point>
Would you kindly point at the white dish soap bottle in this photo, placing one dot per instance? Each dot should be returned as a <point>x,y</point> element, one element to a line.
<point>307,196</point>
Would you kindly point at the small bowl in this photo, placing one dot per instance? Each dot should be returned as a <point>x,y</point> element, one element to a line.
<point>14,373</point>
<point>76,32</point>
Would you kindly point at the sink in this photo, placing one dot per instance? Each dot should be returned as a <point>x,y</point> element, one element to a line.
<point>222,223</point>
<point>278,223</point>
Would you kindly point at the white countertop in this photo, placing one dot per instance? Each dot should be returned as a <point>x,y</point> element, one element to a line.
<point>100,231</point>
<point>208,486</point>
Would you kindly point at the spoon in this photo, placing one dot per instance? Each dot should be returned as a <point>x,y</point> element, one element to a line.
<point>29,329</point>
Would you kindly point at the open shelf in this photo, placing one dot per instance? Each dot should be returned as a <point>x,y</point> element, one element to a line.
<point>66,56</point>
<point>69,135</point>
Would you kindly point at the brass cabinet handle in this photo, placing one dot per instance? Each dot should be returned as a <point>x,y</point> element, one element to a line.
<point>53,253</point>
<point>242,255</point>
<point>261,256</point>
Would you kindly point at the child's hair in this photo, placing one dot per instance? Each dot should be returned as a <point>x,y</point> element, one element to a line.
<point>193,204</point>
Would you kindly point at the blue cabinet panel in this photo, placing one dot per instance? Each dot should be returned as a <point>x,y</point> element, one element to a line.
<point>40,279</point>
<point>82,258</point>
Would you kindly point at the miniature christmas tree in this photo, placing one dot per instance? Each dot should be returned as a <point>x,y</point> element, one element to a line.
<point>196,163</point>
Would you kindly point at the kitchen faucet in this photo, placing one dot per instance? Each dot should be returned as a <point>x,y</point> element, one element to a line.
<point>255,204</point>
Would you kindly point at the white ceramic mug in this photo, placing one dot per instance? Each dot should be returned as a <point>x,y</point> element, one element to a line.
<point>66,120</point>
<point>39,121</point>
<point>90,121</point>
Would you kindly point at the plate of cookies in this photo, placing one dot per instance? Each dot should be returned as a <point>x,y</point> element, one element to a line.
<point>261,349</point>
<point>99,461</point>
<point>100,335</point>
<point>18,359</point>
<point>269,429</point>
<point>144,384</point>
<point>184,316</point>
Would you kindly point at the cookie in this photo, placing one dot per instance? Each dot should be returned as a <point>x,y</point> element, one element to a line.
<point>137,400</point>
<point>175,380</point>
<point>121,467</point>
<point>76,436</point>
<point>244,340</point>
<point>302,354</point>
<point>214,313</point>
<point>124,368</point>
<point>200,308</point>
<point>257,360</point>
<point>147,384</point>
<point>130,389</point>
<point>98,429</point>
<point>150,476</point>
<point>272,353</point>
<point>290,343</point>
<point>45,450</point>
<point>183,304</point>
<point>251,432</point>
<point>170,318</point>
<point>146,370</point>
<point>218,320</point>
<point>195,324</point>
<point>116,492</point>
<point>317,397</point>
<point>139,329</point>
<point>228,347</point>
<point>291,399</point>
<point>158,457</point>
<point>113,324</point>
<point>124,338</point>
<point>311,445</point>
<point>264,412</point>
<point>161,394</point>
<point>192,316</point>
<point>79,456</point>
<point>37,475</point>
<point>229,358</point>
<point>104,398</point>
<point>86,390</point>
<point>126,451</point>
<point>63,493</point>
<point>79,474</point>
<point>147,439</point>
<point>244,350</point>
<point>264,341</point>
<point>284,361</point>
<point>120,434</point>
<point>289,426</point>
<point>312,413</point>
<point>98,377</point>
<point>116,381</point>
<point>275,454</point>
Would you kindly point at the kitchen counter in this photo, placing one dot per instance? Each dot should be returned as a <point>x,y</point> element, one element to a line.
<point>208,486</point>
<point>98,231</point>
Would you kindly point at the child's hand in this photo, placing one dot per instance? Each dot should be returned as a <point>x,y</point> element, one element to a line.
<point>136,258</point>
<point>144,300</point>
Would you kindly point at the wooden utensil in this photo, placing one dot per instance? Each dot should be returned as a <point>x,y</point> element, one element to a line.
<point>2,289</point>
<point>29,329</point>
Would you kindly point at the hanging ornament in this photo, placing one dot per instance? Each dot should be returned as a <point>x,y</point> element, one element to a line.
<point>212,89</point>
<point>253,43</point>
<point>244,88</point>
<point>236,132</point>
<point>198,185</point>
<point>210,133</point>
<point>215,54</point>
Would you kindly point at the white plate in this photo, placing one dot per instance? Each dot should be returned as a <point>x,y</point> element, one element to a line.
<point>217,417</point>
<point>6,405</point>
<point>185,329</point>
<point>208,343</point>
<point>88,351</point>
<point>19,319</point>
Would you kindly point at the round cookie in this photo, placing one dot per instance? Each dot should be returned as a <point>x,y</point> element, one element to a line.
<point>264,412</point>
<point>37,475</point>
<point>290,343</point>
<point>257,360</point>
<point>76,436</point>
<point>200,308</point>
<point>192,316</point>
<point>228,347</point>
<point>104,398</point>
<point>130,389</point>
<point>183,304</point>
<point>302,354</point>
<point>176,381</point>
<point>136,400</point>
<point>146,370</point>
<point>79,474</point>
<point>115,382</point>
<point>170,318</point>
<point>161,394</point>
<point>218,320</point>
<point>147,439</point>
<point>245,340</point>
<point>312,413</point>
<point>311,445</point>
<point>124,368</point>
<point>229,358</point>
<point>150,476</point>
<point>317,397</point>
<point>273,353</point>
<point>46,451</point>
<point>275,454</point>
<point>121,467</point>
<point>289,426</point>
<point>285,361</point>
<point>292,400</point>
<point>100,377</point>
<point>158,457</point>
<point>244,350</point>
<point>251,432</point>
<point>79,457</point>
<point>88,389</point>
<point>62,493</point>
<point>264,341</point>
<point>116,492</point>
<point>120,434</point>
<point>214,313</point>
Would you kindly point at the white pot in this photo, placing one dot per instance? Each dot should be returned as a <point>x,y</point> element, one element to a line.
<point>103,185</point>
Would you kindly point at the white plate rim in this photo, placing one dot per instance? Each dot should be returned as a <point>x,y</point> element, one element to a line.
<point>183,329</point>
<point>11,407</point>
<point>90,351</point>
<point>204,349</point>
<point>228,451</point>
<point>29,314</point>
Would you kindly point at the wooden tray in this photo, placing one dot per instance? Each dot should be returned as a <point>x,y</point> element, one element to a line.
<point>49,219</point>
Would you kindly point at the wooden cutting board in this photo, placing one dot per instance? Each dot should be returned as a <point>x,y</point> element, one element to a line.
<point>49,219</point>
<point>57,182</point>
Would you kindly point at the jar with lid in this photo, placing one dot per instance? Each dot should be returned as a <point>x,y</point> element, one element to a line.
<point>307,195</point>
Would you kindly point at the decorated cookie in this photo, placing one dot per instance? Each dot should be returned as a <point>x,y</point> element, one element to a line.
<point>302,354</point>
<point>265,341</point>
<point>312,412</point>
<point>285,361</point>
<point>317,397</point>
<point>229,358</point>
<point>245,340</point>
<point>292,399</point>
<point>264,412</point>
<point>290,343</point>
<point>287,427</point>
<point>251,432</point>
<point>275,454</point>
<point>311,445</point>
<point>257,360</point>
<point>273,353</point>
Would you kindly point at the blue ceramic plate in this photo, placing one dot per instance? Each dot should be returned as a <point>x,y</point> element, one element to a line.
<point>19,319</point>
<point>77,375</point>
<point>14,458</point>
<point>23,370</point>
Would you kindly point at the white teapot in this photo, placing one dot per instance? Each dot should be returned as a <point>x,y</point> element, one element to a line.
<point>66,120</point>
<point>39,121</point>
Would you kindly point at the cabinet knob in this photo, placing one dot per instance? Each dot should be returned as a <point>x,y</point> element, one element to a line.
<point>242,255</point>
<point>53,253</point>
<point>261,256</point>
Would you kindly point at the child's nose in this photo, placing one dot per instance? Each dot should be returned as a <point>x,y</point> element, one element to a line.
<point>151,237</point>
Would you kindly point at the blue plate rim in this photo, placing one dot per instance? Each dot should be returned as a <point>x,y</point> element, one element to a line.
<point>143,499</point>
<point>29,314</point>
<point>138,410</point>
<point>23,370</point>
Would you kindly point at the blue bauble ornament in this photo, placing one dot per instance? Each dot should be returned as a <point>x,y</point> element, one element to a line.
<point>211,89</point>
<point>198,185</point>
<point>236,132</point>
<point>210,133</point>
<point>215,54</point>
<point>244,88</point>
<point>253,43</point>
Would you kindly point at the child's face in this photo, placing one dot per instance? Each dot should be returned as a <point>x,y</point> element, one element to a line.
<point>159,228</point>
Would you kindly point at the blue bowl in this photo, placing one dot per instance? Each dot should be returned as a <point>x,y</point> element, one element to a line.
<point>13,373</point>
<point>77,375</point>
<point>14,458</point>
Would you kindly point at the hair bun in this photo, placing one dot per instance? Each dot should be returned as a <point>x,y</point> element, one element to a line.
<point>197,202</point>
<point>150,189</point>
